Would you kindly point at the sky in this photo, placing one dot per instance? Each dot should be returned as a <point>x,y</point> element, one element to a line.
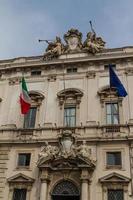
<point>23,22</point>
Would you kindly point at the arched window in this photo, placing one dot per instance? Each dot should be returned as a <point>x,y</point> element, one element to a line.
<point>31,118</point>
<point>69,101</point>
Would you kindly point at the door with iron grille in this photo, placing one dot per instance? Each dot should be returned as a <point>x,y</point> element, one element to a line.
<point>65,190</point>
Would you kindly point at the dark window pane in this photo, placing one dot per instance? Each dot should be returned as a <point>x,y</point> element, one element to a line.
<point>113,158</point>
<point>112,113</point>
<point>70,116</point>
<point>24,159</point>
<point>115,195</point>
<point>36,73</point>
<point>19,194</point>
<point>30,118</point>
<point>106,67</point>
<point>71,70</point>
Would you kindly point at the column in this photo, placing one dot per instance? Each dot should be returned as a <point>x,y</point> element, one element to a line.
<point>84,190</point>
<point>10,197</point>
<point>84,185</point>
<point>44,187</point>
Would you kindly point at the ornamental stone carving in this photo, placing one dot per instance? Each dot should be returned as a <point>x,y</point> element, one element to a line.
<point>93,44</point>
<point>67,149</point>
<point>67,144</point>
<point>73,39</point>
<point>54,49</point>
<point>47,152</point>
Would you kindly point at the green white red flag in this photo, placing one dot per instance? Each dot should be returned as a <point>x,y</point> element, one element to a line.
<point>25,100</point>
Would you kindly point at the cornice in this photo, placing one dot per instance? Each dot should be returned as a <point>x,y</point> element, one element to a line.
<point>94,140</point>
<point>32,62</point>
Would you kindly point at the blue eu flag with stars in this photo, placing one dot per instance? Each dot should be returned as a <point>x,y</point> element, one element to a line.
<point>115,82</point>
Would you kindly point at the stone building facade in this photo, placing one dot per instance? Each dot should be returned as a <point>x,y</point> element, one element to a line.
<point>76,142</point>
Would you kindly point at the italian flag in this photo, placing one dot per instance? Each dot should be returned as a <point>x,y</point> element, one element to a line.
<point>25,100</point>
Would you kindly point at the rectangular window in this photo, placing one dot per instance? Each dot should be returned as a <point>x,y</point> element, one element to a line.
<point>19,194</point>
<point>112,113</point>
<point>71,70</point>
<point>115,195</point>
<point>24,159</point>
<point>35,73</point>
<point>106,67</point>
<point>70,116</point>
<point>30,118</point>
<point>114,159</point>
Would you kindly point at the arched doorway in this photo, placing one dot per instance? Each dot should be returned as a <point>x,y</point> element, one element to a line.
<point>65,190</point>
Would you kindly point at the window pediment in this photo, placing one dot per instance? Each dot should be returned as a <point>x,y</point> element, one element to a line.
<point>20,178</point>
<point>61,163</point>
<point>36,96</point>
<point>70,94</point>
<point>114,178</point>
<point>107,92</point>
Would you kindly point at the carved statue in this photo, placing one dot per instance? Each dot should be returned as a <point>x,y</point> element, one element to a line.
<point>48,152</point>
<point>54,49</point>
<point>93,44</point>
<point>73,39</point>
<point>67,149</point>
<point>83,150</point>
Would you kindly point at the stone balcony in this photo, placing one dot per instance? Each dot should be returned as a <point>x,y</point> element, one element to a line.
<point>90,133</point>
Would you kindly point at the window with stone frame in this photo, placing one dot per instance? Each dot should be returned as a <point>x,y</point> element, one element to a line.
<point>113,159</point>
<point>69,102</point>
<point>114,186</point>
<point>24,159</point>
<point>70,116</point>
<point>19,194</point>
<point>112,113</point>
<point>20,187</point>
<point>31,118</point>
<point>111,106</point>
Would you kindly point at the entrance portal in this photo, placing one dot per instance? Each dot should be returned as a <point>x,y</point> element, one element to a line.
<point>65,190</point>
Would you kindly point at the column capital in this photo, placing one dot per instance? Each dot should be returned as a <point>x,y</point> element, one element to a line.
<point>45,178</point>
<point>85,177</point>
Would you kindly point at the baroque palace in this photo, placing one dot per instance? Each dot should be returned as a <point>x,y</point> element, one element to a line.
<point>76,142</point>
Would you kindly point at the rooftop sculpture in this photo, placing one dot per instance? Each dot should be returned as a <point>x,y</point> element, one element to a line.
<point>73,39</point>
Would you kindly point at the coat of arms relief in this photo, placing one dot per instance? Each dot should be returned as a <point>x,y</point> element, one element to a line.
<point>67,149</point>
<point>74,44</point>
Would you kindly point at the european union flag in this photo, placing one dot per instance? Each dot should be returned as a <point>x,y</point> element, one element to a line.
<point>115,82</point>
